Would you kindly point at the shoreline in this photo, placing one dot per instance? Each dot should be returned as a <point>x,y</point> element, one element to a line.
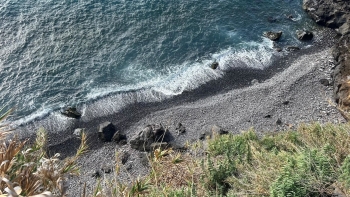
<point>234,105</point>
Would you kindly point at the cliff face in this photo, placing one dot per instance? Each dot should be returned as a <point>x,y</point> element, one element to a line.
<point>330,13</point>
<point>335,14</point>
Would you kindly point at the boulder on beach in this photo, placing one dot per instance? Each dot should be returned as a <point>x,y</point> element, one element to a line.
<point>119,137</point>
<point>274,36</point>
<point>304,35</point>
<point>180,128</point>
<point>145,139</point>
<point>106,131</point>
<point>71,112</point>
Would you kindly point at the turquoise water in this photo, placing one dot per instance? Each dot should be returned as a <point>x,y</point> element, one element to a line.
<point>102,55</point>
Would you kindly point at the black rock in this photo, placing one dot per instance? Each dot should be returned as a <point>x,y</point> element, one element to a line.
<point>292,48</point>
<point>71,112</point>
<point>96,174</point>
<point>124,157</point>
<point>144,159</point>
<point>304,35</point>
<point>214,65</point>
<point>118,136</point>
<point>218,130</point>
<point>122,142</point>
<point>324,82</point>
<point>205,135</point>
<point>106,170</point>
<point>279,122</point>
<point>274,36</point>
<point>268,116</point>
<point>285,102</point>
<point>106,131</point>
<point>150,134</point>
<point>180,128</point>
<point>161,145</point>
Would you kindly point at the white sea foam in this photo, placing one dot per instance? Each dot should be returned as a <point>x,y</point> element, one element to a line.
<point>185,77</point>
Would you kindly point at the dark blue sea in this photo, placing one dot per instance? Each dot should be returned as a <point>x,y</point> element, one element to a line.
<point>101,55</point>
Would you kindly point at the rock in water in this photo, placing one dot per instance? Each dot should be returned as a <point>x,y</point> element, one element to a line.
<point>292,48</point>
<point>214,65</point>
<point>304,35</point>
<point>71,112</point>
<point>106,131</point>
<point>274,36</point>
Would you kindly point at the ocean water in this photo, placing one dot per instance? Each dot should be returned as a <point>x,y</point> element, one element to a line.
<point>101,55</point>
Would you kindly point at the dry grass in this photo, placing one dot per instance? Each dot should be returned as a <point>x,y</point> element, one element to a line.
<point>27,171</point>
<point>312,161</point>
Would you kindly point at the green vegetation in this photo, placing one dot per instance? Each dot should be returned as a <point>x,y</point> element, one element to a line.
<point>314,160</point>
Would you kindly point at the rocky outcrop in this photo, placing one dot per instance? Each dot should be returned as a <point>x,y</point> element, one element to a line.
<point>330,13</point>
<point>341,75</point>
<point>274,36</point>
<point>336,14</point>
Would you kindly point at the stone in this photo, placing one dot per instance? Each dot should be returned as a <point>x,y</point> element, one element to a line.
<point>274,36</point>
<point>106,170</point>
<point>122,142</point>
<point>71,112</point>
<point>96,174</point>
<point>129,167</point>
<point>214,65</point>
<point>78,131</point>
<point>304,35</point>
<point>218,130</point>
<point>324,82</point>
<point>292,48</point>
<point>124,156</point>
<point>106,131</point>
<point>150,134</point>
<point>180,128</point>
<point>118,136</point>
<point>285,102</point>
<point>254,82</point>
<point>161,145</point>
<point>268,116</point>
<point>279,121</point>
<point>205,135</point>
<point>144,160</point>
